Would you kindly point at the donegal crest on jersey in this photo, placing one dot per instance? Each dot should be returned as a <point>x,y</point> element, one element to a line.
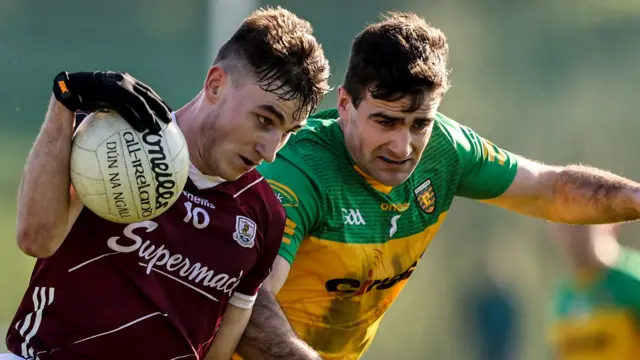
<point>353,243</point>
<point>425,196</point>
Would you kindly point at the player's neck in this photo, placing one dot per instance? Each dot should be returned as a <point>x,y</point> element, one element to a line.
<point>347,145</point>
<point>186,117</point>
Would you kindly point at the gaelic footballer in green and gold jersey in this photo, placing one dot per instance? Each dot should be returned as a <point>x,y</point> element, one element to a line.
<point>596,310</point>
<point>353,242</point>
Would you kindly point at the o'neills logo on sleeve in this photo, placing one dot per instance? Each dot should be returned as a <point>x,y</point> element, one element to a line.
<point>177,267</point>
<point>165,185</point>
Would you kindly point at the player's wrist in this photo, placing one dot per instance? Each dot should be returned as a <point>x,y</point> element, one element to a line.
<point>58,110</point>
<point>62,91</point>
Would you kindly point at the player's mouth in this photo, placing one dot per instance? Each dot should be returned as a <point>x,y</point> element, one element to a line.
<point>249,164</point>
<point>393,162</point>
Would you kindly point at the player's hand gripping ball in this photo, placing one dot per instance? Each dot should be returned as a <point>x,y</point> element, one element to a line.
<point>127,176</point>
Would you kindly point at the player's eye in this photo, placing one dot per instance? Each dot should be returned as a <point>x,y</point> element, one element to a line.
<point>386,123</point>
<point>421,125</point>
<point>264,121</point>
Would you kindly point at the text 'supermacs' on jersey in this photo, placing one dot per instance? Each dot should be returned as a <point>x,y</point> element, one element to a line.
<point>176,264</point>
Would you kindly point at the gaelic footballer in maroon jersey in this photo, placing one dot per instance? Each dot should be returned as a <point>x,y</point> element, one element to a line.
<point>180,285</point>
<point>173,277</point>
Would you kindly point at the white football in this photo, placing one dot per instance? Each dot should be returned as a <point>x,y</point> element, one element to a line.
<point>125,176</point>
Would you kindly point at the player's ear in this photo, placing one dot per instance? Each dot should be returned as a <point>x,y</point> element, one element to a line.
<point>344,102</point>
<point>215,82</point>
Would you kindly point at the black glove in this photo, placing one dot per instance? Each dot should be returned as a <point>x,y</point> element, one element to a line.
<point>134,100</point>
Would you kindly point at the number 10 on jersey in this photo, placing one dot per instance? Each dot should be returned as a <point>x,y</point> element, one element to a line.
<point>196,215</point>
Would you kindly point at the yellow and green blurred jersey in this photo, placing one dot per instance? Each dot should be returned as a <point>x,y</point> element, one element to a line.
<point>599,319</point>
<point>353,242</point>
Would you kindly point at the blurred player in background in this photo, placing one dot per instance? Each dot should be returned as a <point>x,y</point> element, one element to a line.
<point>596,309</point>
<point>159,289</point>
<point>366,187</point>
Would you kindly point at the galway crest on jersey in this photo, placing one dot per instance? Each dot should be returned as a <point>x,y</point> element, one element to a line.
<point>245,233</point>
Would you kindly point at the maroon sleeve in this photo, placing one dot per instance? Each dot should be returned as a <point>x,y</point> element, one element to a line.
<point>247,290</point>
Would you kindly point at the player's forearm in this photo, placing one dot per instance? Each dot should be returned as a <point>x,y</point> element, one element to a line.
<point>587,195</point>
<point>43,196</point>
<point>270,336</point>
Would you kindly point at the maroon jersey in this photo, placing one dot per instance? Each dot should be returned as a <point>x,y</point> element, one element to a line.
<point>157,289</point>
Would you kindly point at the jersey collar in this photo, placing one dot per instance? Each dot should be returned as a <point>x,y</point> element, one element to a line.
<point>202,181</point>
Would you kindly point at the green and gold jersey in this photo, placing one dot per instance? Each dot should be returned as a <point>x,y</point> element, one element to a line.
<point>353,242</point>
<point>599,318</point>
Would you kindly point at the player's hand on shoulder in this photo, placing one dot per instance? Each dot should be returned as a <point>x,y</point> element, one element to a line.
<point>134,100</point>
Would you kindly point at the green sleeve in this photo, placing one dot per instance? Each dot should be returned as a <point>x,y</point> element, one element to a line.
<point>300,197</point>
<point>486,171</point>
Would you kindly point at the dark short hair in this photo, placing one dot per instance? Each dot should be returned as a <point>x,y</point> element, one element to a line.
<point>397,57</point>
<point>280,50</point>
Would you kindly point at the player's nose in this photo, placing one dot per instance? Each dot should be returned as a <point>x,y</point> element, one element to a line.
<point>268,148</point>
<point>400,144</point>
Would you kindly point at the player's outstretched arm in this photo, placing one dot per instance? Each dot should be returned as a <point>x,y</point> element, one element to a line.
<point>571,194</point>
<point>46,208</point>
<point>268,334</point>
<point>229,333</point>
